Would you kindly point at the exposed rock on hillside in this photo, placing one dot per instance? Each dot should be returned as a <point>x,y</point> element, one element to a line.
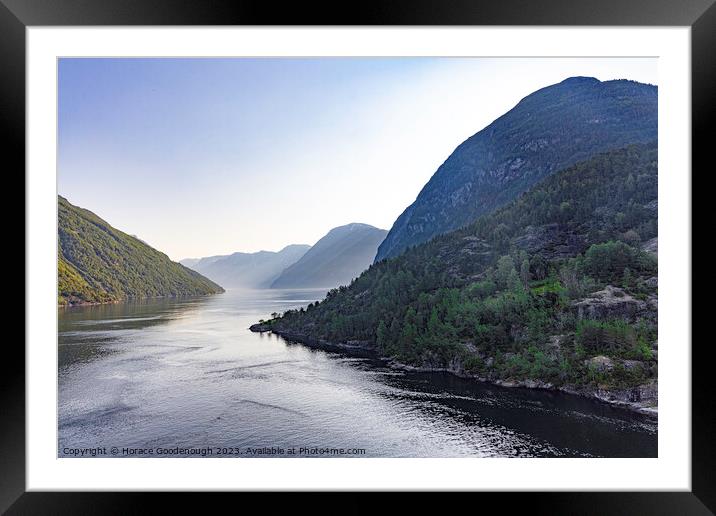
<point>552,241</point>
<point>651,245</point>
<point>613,303</point>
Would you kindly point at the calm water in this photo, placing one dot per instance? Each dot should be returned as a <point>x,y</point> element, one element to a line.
<point>180,377</point>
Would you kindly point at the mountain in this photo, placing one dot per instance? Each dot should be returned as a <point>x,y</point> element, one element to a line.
<point>336,259</point>
<point>546,131</point>
<point>193,263</point>
<point>552,289</point>
<point>98,263</point>
<point>248,270</point>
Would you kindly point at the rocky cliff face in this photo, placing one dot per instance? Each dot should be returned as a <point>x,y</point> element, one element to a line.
<point>547,131</point>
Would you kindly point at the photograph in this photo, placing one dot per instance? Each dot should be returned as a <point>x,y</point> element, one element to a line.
<point>357,257</point>
<point>413,248</point>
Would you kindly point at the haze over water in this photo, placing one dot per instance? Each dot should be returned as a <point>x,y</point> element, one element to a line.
<point>187,373</point>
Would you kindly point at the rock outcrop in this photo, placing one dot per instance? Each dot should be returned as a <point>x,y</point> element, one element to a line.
<point>614,303</point>
<point>552,241</point>
<point>260,328</point>
<point>643,396</point>
<point>651,245</point>
<point>600,363</point>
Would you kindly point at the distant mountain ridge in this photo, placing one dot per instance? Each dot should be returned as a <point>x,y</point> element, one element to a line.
<point>336,259</point>
<point>546,131</point>
<point>189,262</point>
<point>203,262</point>
<point>98,263</point>
<point>247,270</point>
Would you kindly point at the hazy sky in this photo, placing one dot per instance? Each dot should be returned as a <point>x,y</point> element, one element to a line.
<point>210,156</point>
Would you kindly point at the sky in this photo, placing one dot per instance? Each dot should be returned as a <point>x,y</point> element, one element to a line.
<point>199,157</point>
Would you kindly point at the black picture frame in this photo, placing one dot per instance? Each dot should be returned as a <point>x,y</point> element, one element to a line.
<point>17,15</point>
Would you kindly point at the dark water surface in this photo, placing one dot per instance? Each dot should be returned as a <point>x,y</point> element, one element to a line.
<point>181,376</point>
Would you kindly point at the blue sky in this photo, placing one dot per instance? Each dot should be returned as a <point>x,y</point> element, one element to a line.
<point>211,156</point>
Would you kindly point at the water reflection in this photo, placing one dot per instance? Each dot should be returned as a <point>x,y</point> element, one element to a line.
<point>87,333</point>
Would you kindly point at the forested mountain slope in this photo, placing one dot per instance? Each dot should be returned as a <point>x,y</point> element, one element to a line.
<point>98,263</point>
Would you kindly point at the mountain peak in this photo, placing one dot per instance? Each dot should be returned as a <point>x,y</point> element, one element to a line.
<point>354,226</point>
<point>293,247</point>
<point>580,79</point>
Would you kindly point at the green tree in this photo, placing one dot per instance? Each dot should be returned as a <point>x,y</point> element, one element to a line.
<point>381,333</point>
<point>506,274</point>
<point>525,274</point>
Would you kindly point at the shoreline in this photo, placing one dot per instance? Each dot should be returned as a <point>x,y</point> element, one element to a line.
<point>366,347</point>
<point>132,299</point>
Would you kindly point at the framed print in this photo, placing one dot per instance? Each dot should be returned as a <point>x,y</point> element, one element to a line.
<point>419,248</point>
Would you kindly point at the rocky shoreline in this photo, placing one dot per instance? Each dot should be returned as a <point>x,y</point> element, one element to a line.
<point>127,300</point>
<point>626,398</point>
<point>90,303</point>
